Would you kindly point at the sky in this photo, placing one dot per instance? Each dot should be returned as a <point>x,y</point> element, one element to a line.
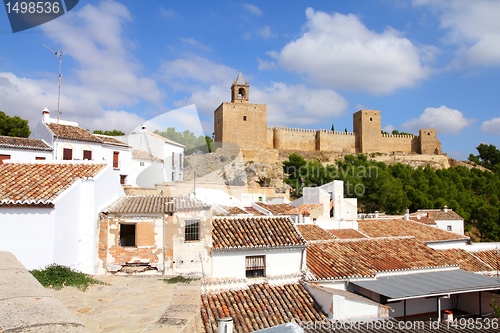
<point>422,63</point>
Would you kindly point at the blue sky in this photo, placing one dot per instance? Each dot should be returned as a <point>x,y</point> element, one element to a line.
<point>422,63</point>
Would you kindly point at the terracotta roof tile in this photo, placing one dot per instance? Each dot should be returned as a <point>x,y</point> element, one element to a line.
<point>275,209</point>
<point>152,204</point>
<point>40,183</point>
<point>346,233</point>
<point>16,142</point>
<point>365,257</point>
<point>234,210</point>
<point>424,219</point>
<point>110,140</point>
<point>252,232</point>
<point>489,257</point>
<point>73,133</point>
<point>144,155</point>
<point>260,306</point>
<point>400,227</point>
<point>312,232</point>
<point>303,208</point>
<point>254,211</point>
<point>467,261</point>
<point>439,214</point>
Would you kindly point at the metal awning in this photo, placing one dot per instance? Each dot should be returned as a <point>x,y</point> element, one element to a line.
<point>429,284</point>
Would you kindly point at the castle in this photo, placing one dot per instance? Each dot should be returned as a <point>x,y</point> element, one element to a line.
<point>245,125</point>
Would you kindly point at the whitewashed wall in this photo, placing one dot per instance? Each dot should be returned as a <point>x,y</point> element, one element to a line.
<point>457,226</point>
<point>231,263</point>
<point>25,155</point>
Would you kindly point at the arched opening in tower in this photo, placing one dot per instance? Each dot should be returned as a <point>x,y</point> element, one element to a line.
<point>241,93</point>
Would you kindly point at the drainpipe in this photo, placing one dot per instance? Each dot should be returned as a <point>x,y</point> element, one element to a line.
<point>225,325</point>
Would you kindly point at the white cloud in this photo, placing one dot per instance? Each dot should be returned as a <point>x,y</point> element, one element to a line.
<point>266,32</point>
<point>253,9</point>
<point>444,119</point>
<point>491,126</point>
<point>389,128</point>
<point>472,25</point>
<point>105,77</point>
<point>339,51</point>
<point>266,65</point>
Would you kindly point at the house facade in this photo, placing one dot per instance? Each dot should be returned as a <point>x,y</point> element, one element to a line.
<point>155,234</point>
<point>49,211</point>
<point>24,149</point>
<point>171,152</point>
<point>72,143</point>
<point>445,219</point>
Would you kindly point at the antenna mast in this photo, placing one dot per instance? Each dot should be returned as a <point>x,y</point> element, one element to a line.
<point>58,54</point>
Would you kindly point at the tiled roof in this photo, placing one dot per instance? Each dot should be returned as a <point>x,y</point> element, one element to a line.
<point>144,155</point>
<point>466,260</point>
<point>303,209</point>
<point>110,140</point>
<point>489,257</point>
<point>254,211</point>
<point>400,227</point>
<point>254,232</point>
<point>15,142</point>
<point>164,139</point>
<point>439,214</point>
<point>260,306</point>
<point>275,209</point>
<point>312,232</point>
<point>152,204</point>
<point>234,210</point>
<point>423,219</point>
<point>72,133</point>
<point>365,257</point>
<point>346,233</point>
<point>38,184</point>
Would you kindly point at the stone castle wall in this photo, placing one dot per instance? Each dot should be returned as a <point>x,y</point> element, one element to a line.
<point>336,141</point>
<point>294,139</point>
<point>404,143</point>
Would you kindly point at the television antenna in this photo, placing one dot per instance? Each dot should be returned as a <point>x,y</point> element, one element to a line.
<point>58,54</point>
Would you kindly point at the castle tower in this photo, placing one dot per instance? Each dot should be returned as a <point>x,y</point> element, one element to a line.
<point>368,128</point>
<point>240,90</point>
<point>241,122</point>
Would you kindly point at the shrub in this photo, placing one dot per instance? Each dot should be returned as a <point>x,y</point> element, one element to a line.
<point>179,279</point>
<point>59,276</point>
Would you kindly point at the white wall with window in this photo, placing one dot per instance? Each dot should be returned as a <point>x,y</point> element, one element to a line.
<point>24,154</point>
<point>247,263</point>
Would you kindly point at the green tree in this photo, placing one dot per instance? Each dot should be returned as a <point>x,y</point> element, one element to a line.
<point>13,126</point>
<point>111,133</point>
<point>488,157</point>
<point>187,138</point>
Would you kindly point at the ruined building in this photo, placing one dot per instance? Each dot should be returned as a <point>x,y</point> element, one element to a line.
<point>245,124</point>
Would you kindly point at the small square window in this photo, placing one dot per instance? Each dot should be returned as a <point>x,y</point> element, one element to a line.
<point>255,266</point>
<point>448,228</point>
<point>244,118</point>
<point>123,179</point>
<point>141,163</point>
<point>87,154</point>
<point>191,230</point>
<point>127,235</point>
<point>67,154</point>
<point>371,119</point>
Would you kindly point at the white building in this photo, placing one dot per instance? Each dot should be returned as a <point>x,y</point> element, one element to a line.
<point>49,211</point>
<point>338,212</point>
<point>70,142</point>
<point>247,250</point>
<point>24,149</point>
<point>445,219</point>
<point>172,153</point>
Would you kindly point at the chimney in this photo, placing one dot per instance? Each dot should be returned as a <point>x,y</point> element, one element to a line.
<point>407,214</point>
<point>45,115</point>
<point>376,214</point>
<point>225,325</point>
<point>445,209</point>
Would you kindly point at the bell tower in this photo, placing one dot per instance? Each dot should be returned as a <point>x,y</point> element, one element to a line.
<point>240,90</point>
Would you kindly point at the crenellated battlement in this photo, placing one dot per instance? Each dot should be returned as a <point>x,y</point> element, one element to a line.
<point>398,136</point>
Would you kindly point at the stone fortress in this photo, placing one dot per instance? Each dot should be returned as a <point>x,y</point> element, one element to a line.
<point>245,125</point>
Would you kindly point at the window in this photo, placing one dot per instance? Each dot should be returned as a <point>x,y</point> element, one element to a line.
<point>255,266</point>
<point>180,161</point>
<point>67,154</point>
<point>173,159</point>
<point>244,118</point>
<point>191,230</point>
<point>123,179</point>
<point>371,119</point>
<point>141,163</point>
<point>4,157</point>
<point>39,158</point>
<point>115,159</point>
<point>127,235</point>
<point>448,228</point>
<point>87,154</point>
<point>173,176</point>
